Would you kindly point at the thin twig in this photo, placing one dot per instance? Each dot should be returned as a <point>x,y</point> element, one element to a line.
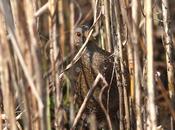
<point>103,108</point>
<point>79,53</point>
<point>86,99</point>
<point>27,74</point>
<point>41,10</point>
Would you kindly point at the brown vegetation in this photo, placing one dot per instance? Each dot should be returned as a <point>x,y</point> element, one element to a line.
<point>118,75</point>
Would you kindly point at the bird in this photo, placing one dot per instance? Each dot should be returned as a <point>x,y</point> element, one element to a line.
<point>93,61</point>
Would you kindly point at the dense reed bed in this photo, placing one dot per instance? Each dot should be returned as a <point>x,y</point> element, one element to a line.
<point>36,50</point>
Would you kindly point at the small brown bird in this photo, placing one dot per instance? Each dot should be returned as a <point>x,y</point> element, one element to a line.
<point>95,60</point>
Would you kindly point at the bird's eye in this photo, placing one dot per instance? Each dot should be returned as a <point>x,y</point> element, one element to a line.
<point>78,34</point>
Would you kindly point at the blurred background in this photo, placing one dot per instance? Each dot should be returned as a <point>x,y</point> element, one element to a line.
<point>37,46</point>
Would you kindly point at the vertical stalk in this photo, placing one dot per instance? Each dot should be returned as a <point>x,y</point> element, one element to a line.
<point>151,109</point>
<point>61,26</point>
<point>129,45</point>
<point>22,48</point>
<point>72,27</point>
<point>107,26</point>
<point>117,52</point>
<point>117,44</point>
<point>0,113</point>
<point>54,53</point>
<point>137,67</point>
<point>5,77</point>
<point>130,61</point>
<point>168,43</point>
<point>36,54</point>
<point>72,22</point>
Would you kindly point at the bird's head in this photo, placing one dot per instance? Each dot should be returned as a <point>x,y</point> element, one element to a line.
<point>80,34</point>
